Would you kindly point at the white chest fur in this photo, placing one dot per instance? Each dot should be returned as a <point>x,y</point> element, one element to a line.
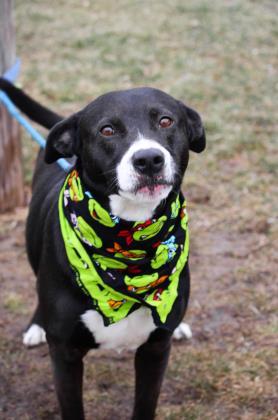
<point>129,333</point>
<point>131,210</point>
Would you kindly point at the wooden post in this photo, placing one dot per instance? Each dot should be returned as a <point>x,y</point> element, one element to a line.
<point>11,179</point>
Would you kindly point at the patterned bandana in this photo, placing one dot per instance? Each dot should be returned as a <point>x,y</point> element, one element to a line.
<point>122,265</point>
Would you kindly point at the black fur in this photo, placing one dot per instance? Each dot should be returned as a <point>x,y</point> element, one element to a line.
<point>61,303</point>
<point>32,108</point>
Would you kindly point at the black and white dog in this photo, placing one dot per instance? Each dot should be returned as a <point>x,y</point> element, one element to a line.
<point>134,149</point>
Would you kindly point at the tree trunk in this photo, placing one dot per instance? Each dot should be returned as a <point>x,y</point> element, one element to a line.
<point>11,180</point>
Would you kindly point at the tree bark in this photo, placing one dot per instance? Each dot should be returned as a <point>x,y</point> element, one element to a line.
<point>11,179</point>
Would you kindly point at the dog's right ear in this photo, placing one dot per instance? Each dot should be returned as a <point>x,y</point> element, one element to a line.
<point>62,139</point>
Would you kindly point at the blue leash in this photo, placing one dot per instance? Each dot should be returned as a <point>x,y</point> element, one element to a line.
<point>11,75</point>
<point>35,135</point>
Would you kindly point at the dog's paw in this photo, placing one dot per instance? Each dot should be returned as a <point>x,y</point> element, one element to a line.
<point>34,336</point>
<point>182,331</point>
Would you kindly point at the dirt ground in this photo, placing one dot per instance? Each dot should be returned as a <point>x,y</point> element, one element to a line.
<point>219,57</point>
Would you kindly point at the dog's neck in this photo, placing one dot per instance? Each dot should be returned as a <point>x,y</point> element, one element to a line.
<point>131,210</point>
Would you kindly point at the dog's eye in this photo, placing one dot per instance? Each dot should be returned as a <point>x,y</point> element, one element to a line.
<point>165,122</point>
<point>107,131</point>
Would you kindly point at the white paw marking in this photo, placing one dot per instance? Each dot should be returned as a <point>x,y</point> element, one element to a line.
<point>182,331</point>
<point>34,336</point>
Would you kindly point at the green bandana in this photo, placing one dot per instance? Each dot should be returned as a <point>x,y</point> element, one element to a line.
<point>123,265</point>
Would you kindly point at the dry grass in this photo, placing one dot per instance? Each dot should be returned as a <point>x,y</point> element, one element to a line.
<point>218,56</point>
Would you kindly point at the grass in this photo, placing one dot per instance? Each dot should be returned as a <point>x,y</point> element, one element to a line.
<point>14,303</point>
<point>219,57</point>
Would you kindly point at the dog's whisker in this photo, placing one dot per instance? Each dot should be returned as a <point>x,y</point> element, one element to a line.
<point>112,184</point>
<point>108,172</point>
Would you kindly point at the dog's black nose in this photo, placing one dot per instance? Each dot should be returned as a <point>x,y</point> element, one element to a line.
<point>148,161</point>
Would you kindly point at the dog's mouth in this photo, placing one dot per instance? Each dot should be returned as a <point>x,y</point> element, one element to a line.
<point>151,186</point>
<point>148,191</point>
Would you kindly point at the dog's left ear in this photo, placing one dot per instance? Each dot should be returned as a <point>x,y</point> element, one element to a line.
<point>195,129</point>
<point>62,140</point>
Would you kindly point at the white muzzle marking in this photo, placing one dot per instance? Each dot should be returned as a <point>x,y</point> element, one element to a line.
<point>128,177</point>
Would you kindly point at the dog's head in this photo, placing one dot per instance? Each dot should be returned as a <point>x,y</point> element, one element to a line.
<point>133,143</point>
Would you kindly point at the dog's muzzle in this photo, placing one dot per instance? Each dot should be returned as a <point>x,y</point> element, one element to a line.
<point>146,171</point>
<point>148,161</point>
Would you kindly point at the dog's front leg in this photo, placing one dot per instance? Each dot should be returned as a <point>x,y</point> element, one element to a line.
<point>68,374</point>
<point>150,363</point>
